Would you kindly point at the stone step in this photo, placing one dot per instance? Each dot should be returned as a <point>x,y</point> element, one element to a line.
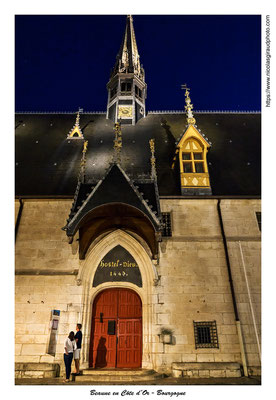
<point>117,376</point>
<point>113,371</point>
<point>206,370</point>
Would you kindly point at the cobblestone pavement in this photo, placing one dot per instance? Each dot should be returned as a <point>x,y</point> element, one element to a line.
<point>157,382</point>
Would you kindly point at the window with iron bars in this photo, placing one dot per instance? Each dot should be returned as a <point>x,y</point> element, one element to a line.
<point>206,334</point>
<point>167,226</point>
<point>259,219</point>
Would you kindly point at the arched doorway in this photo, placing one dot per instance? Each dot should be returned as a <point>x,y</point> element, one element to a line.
<point>116,330</point>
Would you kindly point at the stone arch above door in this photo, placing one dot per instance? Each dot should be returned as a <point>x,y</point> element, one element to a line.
<point>149,275</point>
<point>96,253</point>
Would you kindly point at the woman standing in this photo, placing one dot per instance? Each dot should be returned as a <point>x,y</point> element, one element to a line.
<point>69,346</point>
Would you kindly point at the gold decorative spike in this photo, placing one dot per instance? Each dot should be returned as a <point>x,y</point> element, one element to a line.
<point>118,143</point>
<point>83,161</point>
<point>189,107</point>
<point>85,146</point>
<point>76,129</point>
<point>152,160</point>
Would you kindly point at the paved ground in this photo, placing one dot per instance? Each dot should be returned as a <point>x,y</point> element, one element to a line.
<point>158,382</point>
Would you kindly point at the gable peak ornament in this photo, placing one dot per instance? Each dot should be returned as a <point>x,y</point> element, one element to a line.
<point>189,107</point>
<point>76,132</point>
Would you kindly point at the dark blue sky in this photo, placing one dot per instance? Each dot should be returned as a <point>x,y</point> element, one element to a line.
<point>63,62</point>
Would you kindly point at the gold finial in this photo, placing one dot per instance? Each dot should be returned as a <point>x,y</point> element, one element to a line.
<point>76,128</point>
<point>83,161</point>
<point>118,143</point>
<point>152,160</point>
<point>78,118</point>
<point>85,144</point>
<point>189,107</point>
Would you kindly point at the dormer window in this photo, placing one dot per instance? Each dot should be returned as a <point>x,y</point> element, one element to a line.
<point>192,152</point>
<point>193,157</point>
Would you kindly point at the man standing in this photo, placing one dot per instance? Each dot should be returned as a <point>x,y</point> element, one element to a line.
<point>78,339</point>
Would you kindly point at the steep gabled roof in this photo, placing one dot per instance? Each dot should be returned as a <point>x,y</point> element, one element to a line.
<point>114,187</point>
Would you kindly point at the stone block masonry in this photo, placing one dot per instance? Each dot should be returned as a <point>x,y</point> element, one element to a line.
<point>36,370</point>
<point>193,285</point>
<point>206,370</point>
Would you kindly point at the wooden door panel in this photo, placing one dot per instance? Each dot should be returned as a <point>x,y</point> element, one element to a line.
<point>125,307</point>
<point>130,305</point>
<point>129,349</point>
<point>104,346</point>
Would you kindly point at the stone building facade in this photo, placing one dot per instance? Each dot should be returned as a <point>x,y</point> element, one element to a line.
<point>199,263</point>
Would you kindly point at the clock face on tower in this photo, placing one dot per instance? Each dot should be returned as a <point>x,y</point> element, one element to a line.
<point>125,112</point>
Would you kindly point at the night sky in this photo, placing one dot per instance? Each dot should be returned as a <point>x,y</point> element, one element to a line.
<point>63,62</point>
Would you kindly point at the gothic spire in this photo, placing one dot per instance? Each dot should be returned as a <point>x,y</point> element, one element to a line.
<point>128,59</point>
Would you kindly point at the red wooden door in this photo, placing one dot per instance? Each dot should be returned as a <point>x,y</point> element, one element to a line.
<point>120,347</point>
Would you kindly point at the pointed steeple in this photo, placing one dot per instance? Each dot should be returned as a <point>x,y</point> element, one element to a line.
<point>128,59</point>
<point>127,87</point>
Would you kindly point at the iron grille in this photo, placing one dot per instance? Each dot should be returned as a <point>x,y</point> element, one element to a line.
<point>259,219</point>
<point>167,226</point>
<point>206,334</point>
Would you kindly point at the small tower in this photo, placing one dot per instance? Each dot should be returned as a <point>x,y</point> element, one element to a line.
<point>126,87</point>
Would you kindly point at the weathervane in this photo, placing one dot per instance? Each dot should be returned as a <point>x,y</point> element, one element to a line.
<point>189,107</point>
<point>117,141</point>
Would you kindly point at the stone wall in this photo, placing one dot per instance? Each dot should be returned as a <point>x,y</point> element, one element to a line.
<point>41,244</point>
<point>35,297</point>
<point>193,284</point>
<point>45,280</point>
<point>244,244</point>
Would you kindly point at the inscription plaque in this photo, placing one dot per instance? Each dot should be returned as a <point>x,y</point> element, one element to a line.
<point>118,266</point>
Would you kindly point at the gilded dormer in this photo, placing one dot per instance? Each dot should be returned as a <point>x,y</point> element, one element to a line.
<point>192,151</point>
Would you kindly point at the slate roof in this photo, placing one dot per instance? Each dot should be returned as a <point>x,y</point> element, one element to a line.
<point>47,164</point>
<point>115,187</point>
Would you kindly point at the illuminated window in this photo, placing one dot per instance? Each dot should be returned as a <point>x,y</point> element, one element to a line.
<point>193,158</point>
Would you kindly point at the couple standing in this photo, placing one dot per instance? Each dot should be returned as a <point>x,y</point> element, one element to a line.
<point>72,347</point>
